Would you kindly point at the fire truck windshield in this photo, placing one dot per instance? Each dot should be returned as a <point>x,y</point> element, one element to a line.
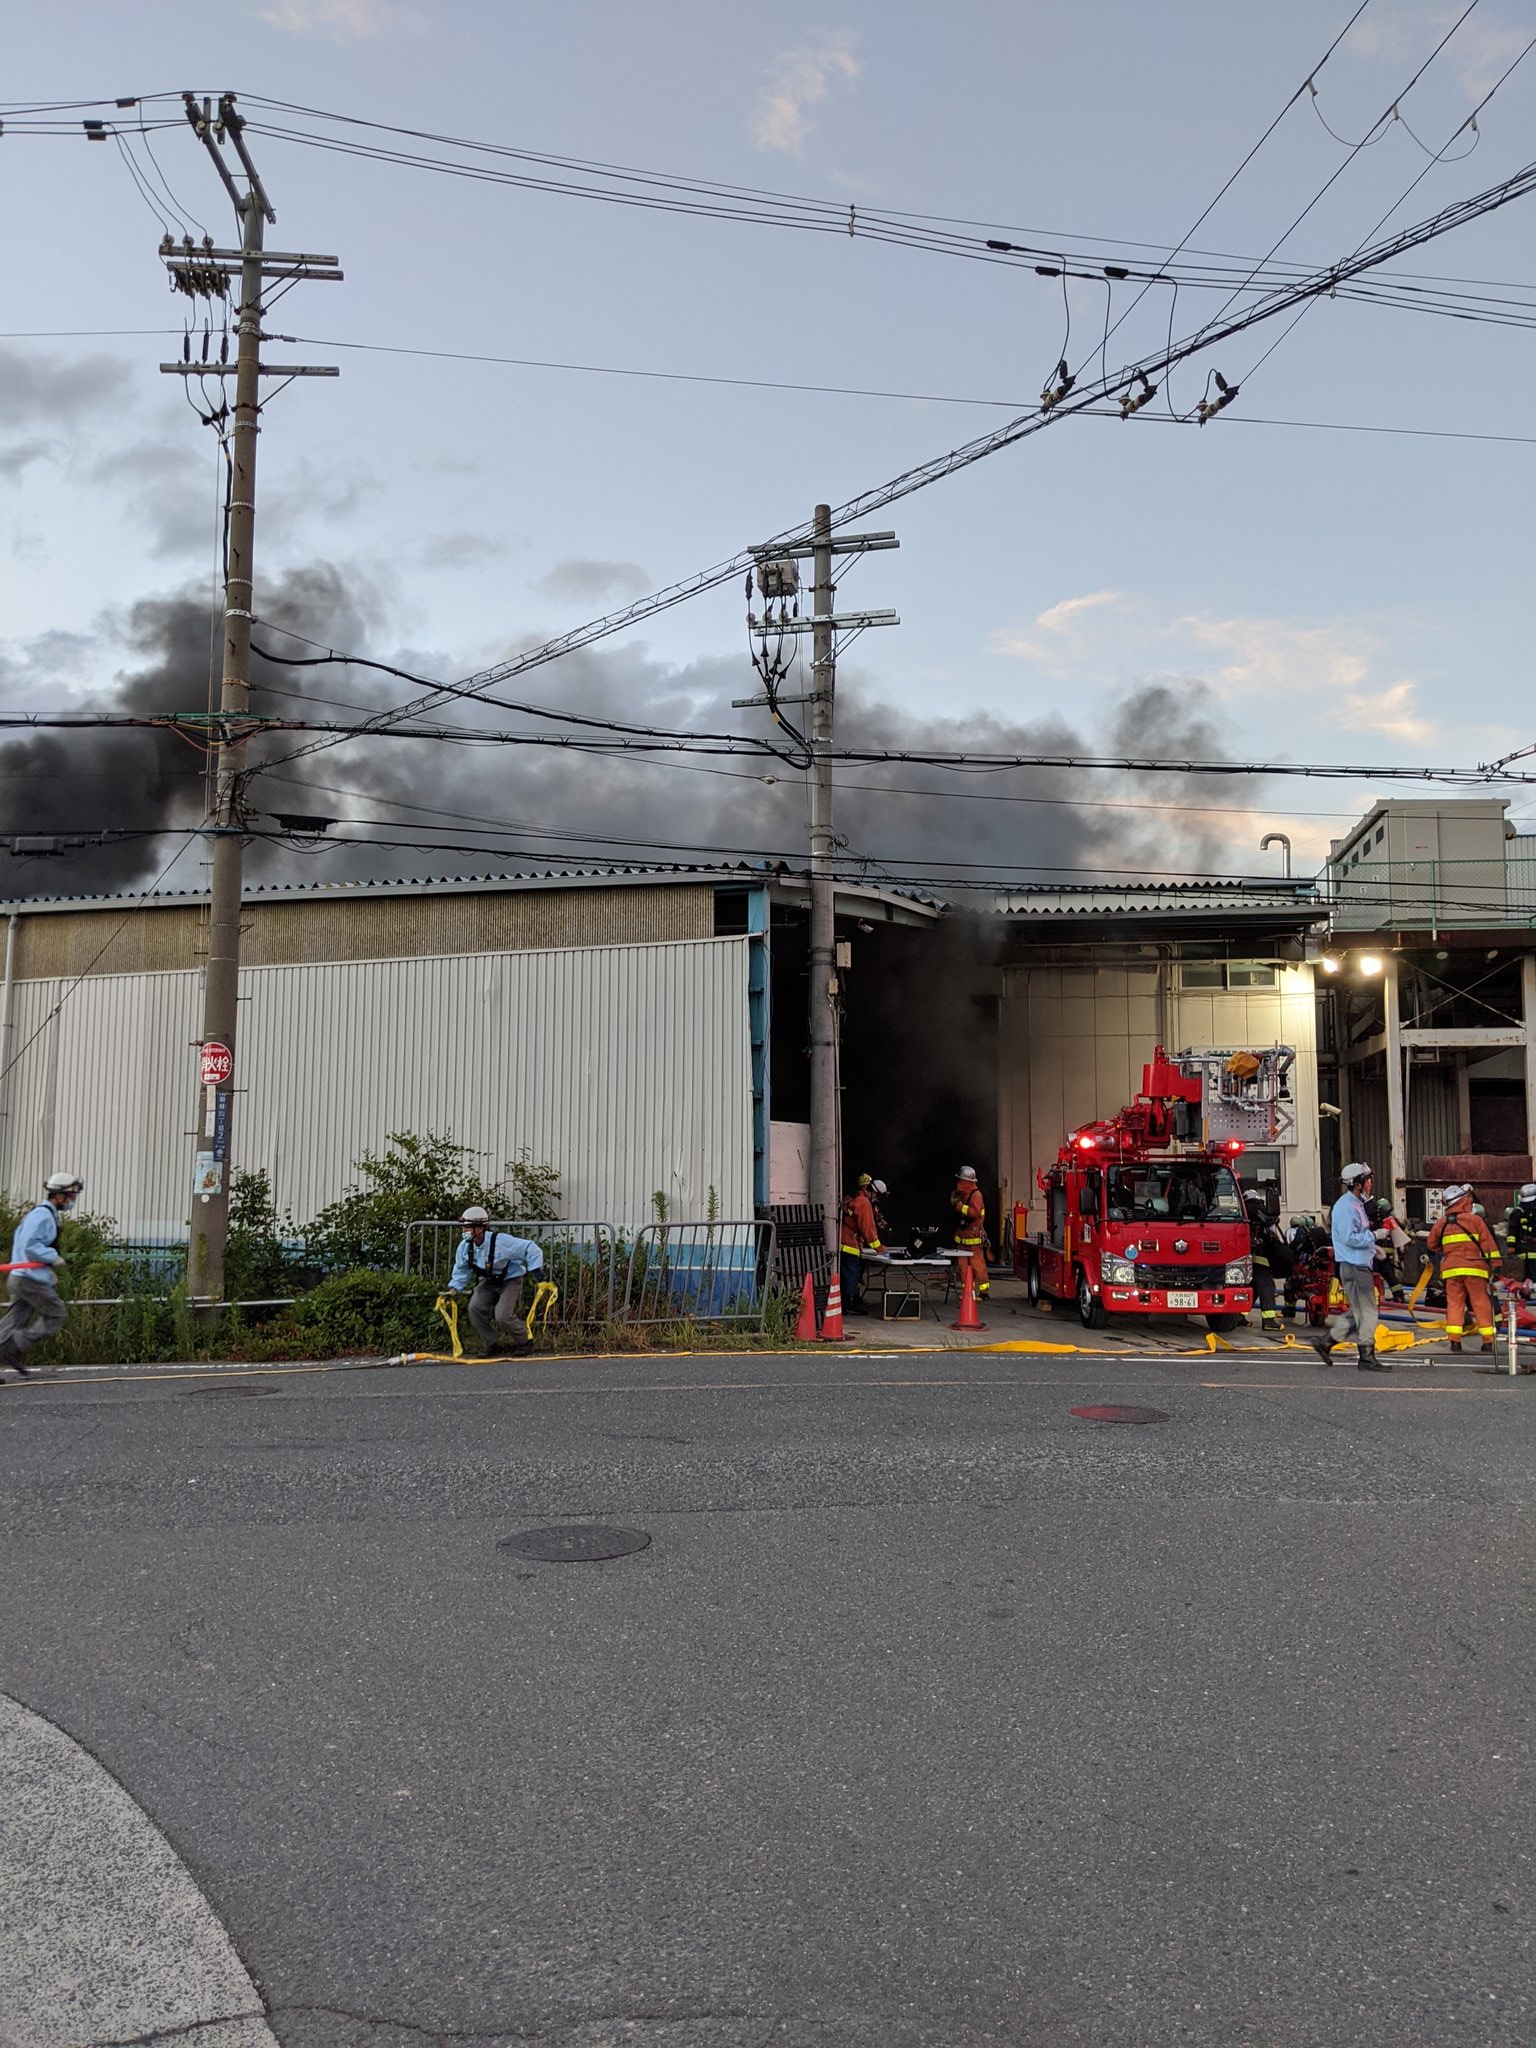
<point>1174,1191</point>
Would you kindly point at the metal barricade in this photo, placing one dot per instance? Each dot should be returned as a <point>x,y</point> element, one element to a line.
<point>581,1258</point>
<point>700,1272</point>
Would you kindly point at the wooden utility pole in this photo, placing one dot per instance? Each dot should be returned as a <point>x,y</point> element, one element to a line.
<point>777,582</point>
<point>205,272</point>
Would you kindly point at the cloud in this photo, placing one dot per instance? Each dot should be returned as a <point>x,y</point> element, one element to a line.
<point>1061,620</point>
<point>1387,710</point>
<point>801,79</point>
<point>166,493</point>
<point>1480,53</point>
<point>459,550</point>
<point>587,581</point>
<point>35,387</point>
<point>1273,654</point>
<point>21,454</point>
<point>342,21</point>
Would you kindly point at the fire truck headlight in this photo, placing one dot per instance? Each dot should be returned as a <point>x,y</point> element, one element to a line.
<point>1240,1273</point>
<point>1116,1272</point>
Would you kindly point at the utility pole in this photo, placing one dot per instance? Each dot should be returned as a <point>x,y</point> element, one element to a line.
<point>205,272</point>
<point>778,584</point>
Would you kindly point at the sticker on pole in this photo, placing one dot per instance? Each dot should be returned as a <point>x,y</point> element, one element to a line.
<point>215,1064</point>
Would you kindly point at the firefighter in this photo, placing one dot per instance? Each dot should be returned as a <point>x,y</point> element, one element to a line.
<point>971,1226</point>
<point>1520,1237</point>
<point>1354,1263</point>
<point>1467,1257</point>
<point>1270,1253</point>
<point>859,1233</point>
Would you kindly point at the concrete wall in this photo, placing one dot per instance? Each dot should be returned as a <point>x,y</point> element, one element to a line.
<point>1074,1041</point>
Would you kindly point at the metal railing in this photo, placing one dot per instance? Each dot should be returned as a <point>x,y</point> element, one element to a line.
<point>583,1260</point>
<point>703,1272</point>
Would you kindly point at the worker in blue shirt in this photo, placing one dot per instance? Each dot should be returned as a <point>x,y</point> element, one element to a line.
<point>36,1310</point>
<point>493,1264</point>
<point>1355,1236</point>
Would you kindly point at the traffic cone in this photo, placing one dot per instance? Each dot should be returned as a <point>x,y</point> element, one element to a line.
<point>805,1329</point>
<point>969,1318</point>
<point>832,1321</point>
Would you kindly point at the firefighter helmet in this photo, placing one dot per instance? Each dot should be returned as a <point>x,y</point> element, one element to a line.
<point>1458,1191</point>
<point>1528,1192</point>
<point>1357,1170</point>
<point>966,1173</point>
<point>475,1214</point>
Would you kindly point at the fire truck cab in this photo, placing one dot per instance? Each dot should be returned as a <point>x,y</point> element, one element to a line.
<point>1143,1215</point>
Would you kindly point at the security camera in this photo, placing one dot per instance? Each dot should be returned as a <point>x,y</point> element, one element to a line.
<point>1329,1109</point>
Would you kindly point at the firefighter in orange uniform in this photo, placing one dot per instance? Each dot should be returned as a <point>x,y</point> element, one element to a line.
<point>1468,1255</point>
<point>971,1226</point>
<point>861,1226</point>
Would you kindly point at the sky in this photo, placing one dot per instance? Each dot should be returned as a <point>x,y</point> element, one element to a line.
<point>1254,588</point>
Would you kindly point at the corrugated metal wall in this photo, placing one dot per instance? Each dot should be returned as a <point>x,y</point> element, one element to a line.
<point>627,1067</point>
<point>1432,1124</point>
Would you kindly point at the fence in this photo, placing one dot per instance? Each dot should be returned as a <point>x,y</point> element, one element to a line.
<point>712,1272</point>
<point>582,1259</point>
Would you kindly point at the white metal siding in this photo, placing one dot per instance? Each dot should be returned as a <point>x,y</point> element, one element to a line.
<point>627,1067</point>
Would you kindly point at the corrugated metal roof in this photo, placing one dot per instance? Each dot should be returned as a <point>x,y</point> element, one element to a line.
<point>1183,899</point>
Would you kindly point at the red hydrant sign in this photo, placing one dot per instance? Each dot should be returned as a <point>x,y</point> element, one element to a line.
<point>216,1064</point>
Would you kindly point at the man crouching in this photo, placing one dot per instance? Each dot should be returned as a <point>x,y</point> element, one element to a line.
<point>494,1264</point>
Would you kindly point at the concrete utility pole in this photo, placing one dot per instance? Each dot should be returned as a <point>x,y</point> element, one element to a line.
<point>822,1017</point>
<point>204,272</point>
<point>777,582</point>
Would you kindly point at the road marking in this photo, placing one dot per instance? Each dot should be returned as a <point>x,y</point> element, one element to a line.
<point>107,1936</point>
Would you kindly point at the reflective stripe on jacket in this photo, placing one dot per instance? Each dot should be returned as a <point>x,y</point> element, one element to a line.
<point>1465,1245</point>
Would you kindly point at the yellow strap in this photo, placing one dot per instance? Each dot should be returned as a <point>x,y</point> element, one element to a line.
<point>447,1306</point>
<point>545,1295</point>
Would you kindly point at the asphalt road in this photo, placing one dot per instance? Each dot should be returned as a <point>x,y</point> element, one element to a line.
<point>932,1716</point>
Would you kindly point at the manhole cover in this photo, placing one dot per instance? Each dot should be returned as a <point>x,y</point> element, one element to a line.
<point>586,1543</point>
<point>229,1393</point>
<point>1117,1414</point>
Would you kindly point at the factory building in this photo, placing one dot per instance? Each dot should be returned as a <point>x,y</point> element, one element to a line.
<point>643,1029</point>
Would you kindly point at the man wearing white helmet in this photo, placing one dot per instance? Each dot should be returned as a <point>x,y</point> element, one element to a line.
<point>492,1265</point>
<point>1468,1255</point>
<point>36,1310</point>
<point>1354,1264</point>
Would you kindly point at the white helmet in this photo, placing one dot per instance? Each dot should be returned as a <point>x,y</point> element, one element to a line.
<point>1528,1192</point>
<point>1456,1192</point>
<point>878,1187</point>
<point>63,1184</point>
<point>475,1214</point>
<point>966,1173</point>
<point>1357,1170</point>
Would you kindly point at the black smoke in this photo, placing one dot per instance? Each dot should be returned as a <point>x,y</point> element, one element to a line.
<point>414,808</point>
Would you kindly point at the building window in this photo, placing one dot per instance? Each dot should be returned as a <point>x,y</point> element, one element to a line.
<point>1221,974</point>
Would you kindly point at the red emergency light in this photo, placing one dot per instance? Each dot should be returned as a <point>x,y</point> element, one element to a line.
<point>1085,1144</point>
<point>1233,1145</point>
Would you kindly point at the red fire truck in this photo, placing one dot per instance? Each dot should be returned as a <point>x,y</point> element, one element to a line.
<point>1144,1216</point>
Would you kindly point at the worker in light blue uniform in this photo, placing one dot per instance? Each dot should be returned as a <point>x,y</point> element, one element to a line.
<point>491,1266</point>
<point>36,1309</point>
<point>1355,1238</point>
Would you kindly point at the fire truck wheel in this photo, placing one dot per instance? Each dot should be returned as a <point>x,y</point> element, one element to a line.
<point>1032,1281</point>
<point>1223,1323</point>
<point>1091,1312</point>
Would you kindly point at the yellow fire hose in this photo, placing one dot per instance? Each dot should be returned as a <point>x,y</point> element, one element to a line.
<point>545,1295</point>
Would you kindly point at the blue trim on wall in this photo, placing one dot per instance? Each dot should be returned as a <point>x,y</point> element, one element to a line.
<point>758,984</point>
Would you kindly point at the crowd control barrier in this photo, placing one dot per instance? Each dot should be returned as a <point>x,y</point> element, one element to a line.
<point>582,1259</point>
<point>710,1272</point>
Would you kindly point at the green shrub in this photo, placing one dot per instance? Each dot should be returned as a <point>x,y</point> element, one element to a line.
<point>412,1178</point>
<point>259,1262</point>
<point>366,1312</point>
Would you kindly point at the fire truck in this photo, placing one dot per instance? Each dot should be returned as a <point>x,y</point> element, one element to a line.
<point>1144,1210</point>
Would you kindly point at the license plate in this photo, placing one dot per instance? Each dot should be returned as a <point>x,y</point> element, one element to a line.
<point>1183,1300</point>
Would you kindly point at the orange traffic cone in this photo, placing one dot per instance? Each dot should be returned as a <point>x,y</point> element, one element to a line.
<point>969,1318</point>
<point>832,1321</point>
<point>805,1329</point>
